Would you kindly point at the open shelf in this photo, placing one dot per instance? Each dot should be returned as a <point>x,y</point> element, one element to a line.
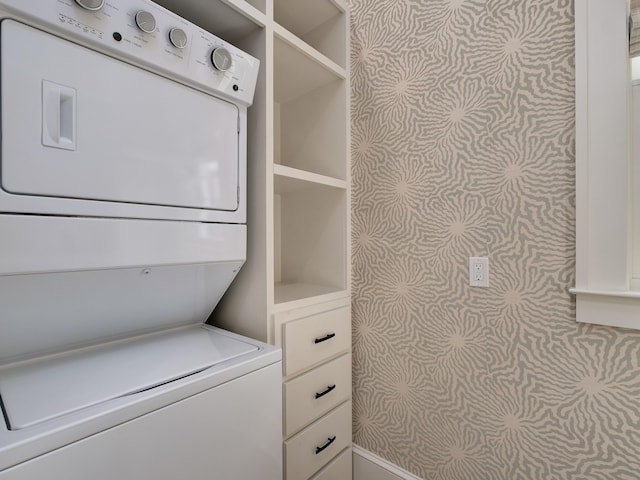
<point>309,112</point>
<point>309,239</point>
<point>319,23</point>
<point>294,292</point>
<point>298,69</point>
<point>310,145</point>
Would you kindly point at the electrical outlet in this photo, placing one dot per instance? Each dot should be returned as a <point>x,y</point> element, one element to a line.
<point>479,271</point>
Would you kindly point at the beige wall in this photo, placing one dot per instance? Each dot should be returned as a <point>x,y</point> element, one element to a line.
<point>463,145</point>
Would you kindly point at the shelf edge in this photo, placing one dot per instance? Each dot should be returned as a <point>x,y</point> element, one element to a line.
<point>300,45</point>
<point>311,301</point>
<point>305,176</point>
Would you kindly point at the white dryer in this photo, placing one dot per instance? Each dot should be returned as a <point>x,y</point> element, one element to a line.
<point>122,223</point>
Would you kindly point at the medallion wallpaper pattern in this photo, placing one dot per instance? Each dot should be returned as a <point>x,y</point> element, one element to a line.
<point>463,145</point>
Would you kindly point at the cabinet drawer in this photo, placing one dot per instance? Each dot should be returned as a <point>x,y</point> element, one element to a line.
<point>339,469</point>
<point>316,445</point>
<point>313,394</point>
<point>315,338</point>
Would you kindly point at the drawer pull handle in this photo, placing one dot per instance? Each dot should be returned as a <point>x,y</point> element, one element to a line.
<point>324,392</point>
<point>330,440</point>
<point>324,339</point>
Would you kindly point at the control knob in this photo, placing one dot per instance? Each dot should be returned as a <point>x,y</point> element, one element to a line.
<point>145,21</point>
<point>91,4</point>
<point>221,59</point>
<point>178,37</point>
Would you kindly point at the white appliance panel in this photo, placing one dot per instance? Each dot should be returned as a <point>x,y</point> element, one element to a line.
<point>79,124</point>
<point>33,392</point>
<point>61,244</point>
<point>221,433</point>
<point>191,64</point>
<point>17,446</point>
<point>120,149</point>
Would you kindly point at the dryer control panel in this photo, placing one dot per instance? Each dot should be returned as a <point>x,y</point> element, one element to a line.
<point>151,36</point>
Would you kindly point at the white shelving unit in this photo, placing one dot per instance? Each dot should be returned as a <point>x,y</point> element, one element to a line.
<point>320,24</point>
<point>295,286</point>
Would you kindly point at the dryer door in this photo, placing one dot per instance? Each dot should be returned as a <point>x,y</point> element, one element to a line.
<point>79,124</point>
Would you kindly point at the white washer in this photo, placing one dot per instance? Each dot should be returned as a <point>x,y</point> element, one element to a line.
<point>122,212</point>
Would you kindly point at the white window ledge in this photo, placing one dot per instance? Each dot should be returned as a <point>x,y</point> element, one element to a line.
<point>613,308</point>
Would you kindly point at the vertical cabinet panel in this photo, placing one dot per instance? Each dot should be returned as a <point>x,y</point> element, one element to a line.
<point>311,180</point>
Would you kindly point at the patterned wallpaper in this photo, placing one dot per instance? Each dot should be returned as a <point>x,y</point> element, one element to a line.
<point>463,145</point>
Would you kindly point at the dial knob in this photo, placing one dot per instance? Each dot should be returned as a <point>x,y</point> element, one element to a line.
<point>221,59</point>
<point>145,21</point>
<point>91,4</point>
<point>178,37</point>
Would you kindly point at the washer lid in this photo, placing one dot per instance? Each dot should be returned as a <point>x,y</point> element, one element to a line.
<point>35,391</point>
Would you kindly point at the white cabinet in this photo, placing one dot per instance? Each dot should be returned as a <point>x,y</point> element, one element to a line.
<point>339,468</point>
<point>311,449</point>
<point>295,286</point>
<point>316,342</point>
<point>311,395</point>
<point>322,24</point>
<point>312,340</point>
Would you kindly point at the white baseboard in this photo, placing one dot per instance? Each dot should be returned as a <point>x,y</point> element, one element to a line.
<point>368,466</point>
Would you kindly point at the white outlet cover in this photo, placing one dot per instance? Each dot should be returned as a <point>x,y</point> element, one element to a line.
<point>479,271</point>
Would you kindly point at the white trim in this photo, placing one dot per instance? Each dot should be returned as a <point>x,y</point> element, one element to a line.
<point>603,190</point>
<point>393,470</point>
<point>616,309</point>
<point>606,293</point>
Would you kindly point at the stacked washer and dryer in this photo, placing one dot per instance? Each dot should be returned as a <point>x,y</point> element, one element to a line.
<point>122,223</point>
